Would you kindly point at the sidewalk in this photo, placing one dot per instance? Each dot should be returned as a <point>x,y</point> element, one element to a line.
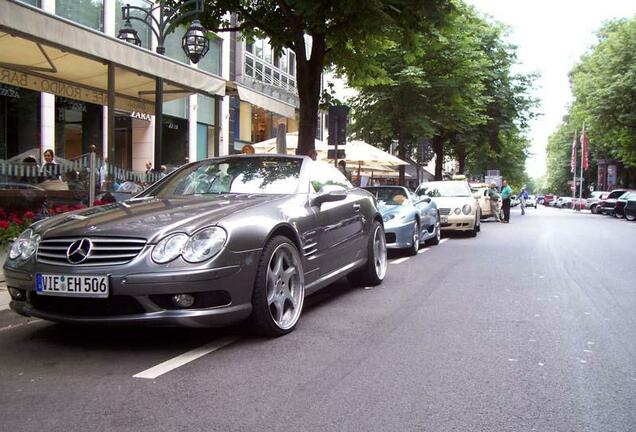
<point>5,298</point>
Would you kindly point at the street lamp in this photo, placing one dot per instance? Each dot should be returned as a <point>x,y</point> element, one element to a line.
<point>162,20</point>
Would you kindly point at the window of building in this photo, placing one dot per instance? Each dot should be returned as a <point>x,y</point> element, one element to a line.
<point>249,67</point>
<point>268,75</point>
<point>175,141</point>
<point>78,125</point>
<point>259,71</point>
<point>211,62</point>
<point>173,45</point>
<point>292,63</point>
<point>249,47</point>
<point>267,52</point>
<point>143,30</point>
<point>282,62</point>
<point>36,3</point>
<point>19,121</point>
<point>258,48</point>
<point>89,12</point>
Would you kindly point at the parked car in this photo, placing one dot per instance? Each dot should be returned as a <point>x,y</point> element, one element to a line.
<point>557,202</point>
<point>458,208</point>
<point>514,201</point>
<point>531,201</point>
<point>409,221</point>
<point>216,242</point>
<point>481,195</point>
<point>630,208</point>
<point>621,202</point>
<point>607,205</point>
<point>548,199</point>
<point>540,199</point>
<point>593,201</point>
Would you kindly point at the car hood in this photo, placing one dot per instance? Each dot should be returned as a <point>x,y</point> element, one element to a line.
<point>150,218</point>
<point>390,209</point>
<point>454,202</point>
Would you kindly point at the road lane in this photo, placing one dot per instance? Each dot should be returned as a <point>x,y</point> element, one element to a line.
<point>522,328</point>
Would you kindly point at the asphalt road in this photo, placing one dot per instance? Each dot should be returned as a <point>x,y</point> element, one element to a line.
<point>528,327</point>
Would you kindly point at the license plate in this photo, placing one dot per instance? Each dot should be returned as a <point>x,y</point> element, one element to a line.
<point>443,219</point>
<point>72,286</point>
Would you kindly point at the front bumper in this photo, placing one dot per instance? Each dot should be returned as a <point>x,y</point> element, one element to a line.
<point>460,222</point>
<point>399,236</point>
<point>223,294</point>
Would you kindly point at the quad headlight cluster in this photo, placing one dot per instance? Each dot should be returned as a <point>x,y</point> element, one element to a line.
<point>25,245</point>
<point>466,210</point>
<point>200,246</point>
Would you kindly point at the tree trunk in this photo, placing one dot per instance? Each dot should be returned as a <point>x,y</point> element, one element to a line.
<point>461,159</point>
<point>438,149</point>
<point>402,147</point>
<point>308,75</point>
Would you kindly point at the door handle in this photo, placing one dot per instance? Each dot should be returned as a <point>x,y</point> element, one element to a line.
<point>356,207</point>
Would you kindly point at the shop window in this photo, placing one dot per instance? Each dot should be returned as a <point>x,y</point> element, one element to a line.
<point>205,110</point>
<point>175,141</point>
<point>143,30</point>
<point>78,125</point>
<point>89,12</point>
<point>19,122</point>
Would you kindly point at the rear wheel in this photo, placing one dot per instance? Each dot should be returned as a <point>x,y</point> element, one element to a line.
<point>594,209</point>
<point>475,230</point>
<point>374,270</point>
<point>279,290</point>
<point>630,217</point>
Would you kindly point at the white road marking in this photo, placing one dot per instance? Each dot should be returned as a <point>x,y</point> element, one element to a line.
<point>541,364</point>
<point>185,358</point>
<point>422,250</point>
<point>443,240</point>
<point>513,360</point>
<point>400,260</point>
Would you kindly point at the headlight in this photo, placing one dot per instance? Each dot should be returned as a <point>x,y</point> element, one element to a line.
<point>458,211</point>
<point>25,245</point>
<point>388,217</point>
<point>466,209</point>
<point>169,248</point>
<point>204,244</point>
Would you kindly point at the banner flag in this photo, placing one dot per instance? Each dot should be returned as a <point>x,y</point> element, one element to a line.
<point>573,159</point>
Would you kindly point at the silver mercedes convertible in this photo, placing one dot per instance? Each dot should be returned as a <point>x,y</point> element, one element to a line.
<point>216,242</point>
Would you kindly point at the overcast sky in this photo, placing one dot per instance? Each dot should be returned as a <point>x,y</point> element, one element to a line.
<point>551,36</point>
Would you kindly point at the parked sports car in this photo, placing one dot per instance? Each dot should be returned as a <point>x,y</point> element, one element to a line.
<point>621,203</point>
<point>630,208</point>
<point>458,208</point>
<point>215,242</point>
<point>607,205</point>
<point>409,221</point>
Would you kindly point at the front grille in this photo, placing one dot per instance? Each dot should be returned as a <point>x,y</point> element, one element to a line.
<point>86,307</point>
<point>105,251</point>
<point>444,211</point>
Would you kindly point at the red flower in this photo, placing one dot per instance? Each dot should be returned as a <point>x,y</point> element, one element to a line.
<point>29,215</point>
<point>4,224</point>
<point>16,220</point>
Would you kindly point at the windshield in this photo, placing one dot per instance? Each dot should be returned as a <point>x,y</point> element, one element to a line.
<point>444,189</point>
<point>262,175</point>
<point>390,196</point>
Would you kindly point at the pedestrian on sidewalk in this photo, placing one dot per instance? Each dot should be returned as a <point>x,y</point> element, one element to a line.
<point>523,196</point>
<point>506,191</point>
<point>493,194</point>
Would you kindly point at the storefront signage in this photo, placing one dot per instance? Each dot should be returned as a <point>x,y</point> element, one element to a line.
<point>9,92</point>
<point>71,91</point>
<point>141,115</point>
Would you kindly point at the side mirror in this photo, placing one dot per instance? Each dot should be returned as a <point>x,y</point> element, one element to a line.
<point>423,199</point>
<point>477,195</point>
<point>334,195</point>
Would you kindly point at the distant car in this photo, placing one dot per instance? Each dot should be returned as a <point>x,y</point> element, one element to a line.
<point>566,202</point>
<point>621,203</point>
<point>409,220</point>
<point>514,201</point>
<point>593,201</point>
<point>540,199</point>
<point>548,199</point>
<point>556,202</point>
<point>458,208</point>
<point>607,205</point>
<point>481,195</point>
<point>630,208</point>
<point>531,201</point>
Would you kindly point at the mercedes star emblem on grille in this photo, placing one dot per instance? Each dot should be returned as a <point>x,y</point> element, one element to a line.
<point>79,251</point>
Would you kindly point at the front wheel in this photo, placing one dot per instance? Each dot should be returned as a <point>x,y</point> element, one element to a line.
<point>630,217</point>
<point>374,270</point>
<point>415,238</point>
<point>438,233</point>
<point>475,230</point>
<point>279,289</point>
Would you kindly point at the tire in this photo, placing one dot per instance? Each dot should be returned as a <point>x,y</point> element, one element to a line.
<point>475,230</point>
<point>415,238</point>
<point>479,223</point>
<point>438,234</point>
<point>374,270</point>
<point>594,209</point>
<point>618,216</point>
<point>630,218</point>
<point>279,289</point>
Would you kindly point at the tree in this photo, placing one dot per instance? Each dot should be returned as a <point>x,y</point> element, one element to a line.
<point>325,33</point>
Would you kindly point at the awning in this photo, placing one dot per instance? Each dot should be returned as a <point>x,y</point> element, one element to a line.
<point>47,53</point>
<point>266,102</point>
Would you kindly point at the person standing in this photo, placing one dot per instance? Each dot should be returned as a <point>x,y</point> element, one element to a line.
<point>506,191</point>
<point>493,194</point>
<point>50,170</point>
<point>522,201</point>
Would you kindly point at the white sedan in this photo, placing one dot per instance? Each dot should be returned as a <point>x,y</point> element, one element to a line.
<point>458,208</point>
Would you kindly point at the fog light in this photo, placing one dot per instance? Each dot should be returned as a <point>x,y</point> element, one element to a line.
<point>17,294</point>
<point>183,300</point>
<point>458,211</point>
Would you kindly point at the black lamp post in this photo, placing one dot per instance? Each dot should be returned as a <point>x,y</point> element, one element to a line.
<point>195,43</point>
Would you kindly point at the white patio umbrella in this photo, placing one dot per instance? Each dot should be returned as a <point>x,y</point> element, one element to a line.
<point>269,146</point>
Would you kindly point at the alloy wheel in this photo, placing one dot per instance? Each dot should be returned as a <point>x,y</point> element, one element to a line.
<point>379,252</point>
<point>285,286</point>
